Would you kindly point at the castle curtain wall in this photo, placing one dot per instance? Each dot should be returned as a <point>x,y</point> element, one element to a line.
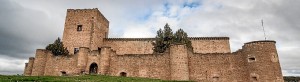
<point>210,59</point>
<point>141,65</point>
<point>210,44</point>
<point>217,67</point>
<point>144,45</point>
<point>130,46</point>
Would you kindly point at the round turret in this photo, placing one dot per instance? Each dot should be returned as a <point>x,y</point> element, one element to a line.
<point>263,64</point>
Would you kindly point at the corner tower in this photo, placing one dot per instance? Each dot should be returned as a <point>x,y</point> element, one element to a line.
<point>84,28</point>
<point>263,63</point>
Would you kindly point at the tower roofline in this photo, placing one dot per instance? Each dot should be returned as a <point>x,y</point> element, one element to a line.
<point>87,10</point>
<point>261,41</point>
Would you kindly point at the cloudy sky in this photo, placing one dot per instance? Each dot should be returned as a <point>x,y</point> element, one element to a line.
<point>27,25</point>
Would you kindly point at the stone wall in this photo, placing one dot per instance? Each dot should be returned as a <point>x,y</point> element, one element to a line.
<point>256,61</point>
<point>263,63</point>
<point>179,62</point>
<point>216,67</point>
<point>210,44</point>
<point>94,29</point>
<point>130,45</point>
<point>57,64</point>
<point>39,62</point>
<point>82,58</point>
<point>144,46</point>
<point>238,66</point>
<point>29,66</point>
<point>209,60</point>
<point>141,65</point>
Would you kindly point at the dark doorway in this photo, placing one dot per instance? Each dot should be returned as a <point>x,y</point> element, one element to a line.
<point>63,73</point>
<point>93,68</point>
<point>123,74</point>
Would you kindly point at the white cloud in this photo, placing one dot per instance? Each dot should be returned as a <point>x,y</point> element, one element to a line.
<point>11,66</point>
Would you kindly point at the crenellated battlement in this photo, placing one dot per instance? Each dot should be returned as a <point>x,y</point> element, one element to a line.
<point>129,39</point>
<point>261,41</point>
<point>31,58</point>
<point>95,10</point>
<point>151,39</point>
<point>209,38</point>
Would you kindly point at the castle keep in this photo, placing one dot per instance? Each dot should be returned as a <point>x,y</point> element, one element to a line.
<point>92,52</point>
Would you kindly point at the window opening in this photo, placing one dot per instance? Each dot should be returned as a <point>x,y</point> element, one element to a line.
<point>79,27</point>
<point>254,78</point>
<point>76,50</point>
<point>99,49</point>
<point>251,59</point>
<point>215,78</point>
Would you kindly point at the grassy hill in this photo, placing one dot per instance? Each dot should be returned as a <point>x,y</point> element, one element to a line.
<point>85,78</point>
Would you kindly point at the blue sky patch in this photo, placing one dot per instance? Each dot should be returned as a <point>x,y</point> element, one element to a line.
<point>145,15</point>
<point>191,4</point>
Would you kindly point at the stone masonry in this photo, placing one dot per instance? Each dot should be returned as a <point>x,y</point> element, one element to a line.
<point>210,60</point>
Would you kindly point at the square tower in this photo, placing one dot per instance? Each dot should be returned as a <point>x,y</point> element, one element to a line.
<point>84,28</point>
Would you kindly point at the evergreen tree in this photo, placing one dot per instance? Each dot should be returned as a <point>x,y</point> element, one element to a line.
<point>181,37</point>
<point>57,48</point>
<point>168,36</point>
<point>158,43</point>
<point>165,38</point>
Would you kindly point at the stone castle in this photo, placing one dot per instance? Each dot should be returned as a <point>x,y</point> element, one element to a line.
<point>92,52</point>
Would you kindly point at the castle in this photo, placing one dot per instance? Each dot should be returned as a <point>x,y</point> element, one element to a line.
<point>92,52</point>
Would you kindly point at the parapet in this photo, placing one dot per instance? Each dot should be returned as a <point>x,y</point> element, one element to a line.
<point>261,41</point>
<point>151,39</point>
<point>129,39</point>
<point>41,53</point>
<point>209,38</point>
<point>38,51</point>
<point>258,45</point>
<point>87,10</point>
<point>83,10</point>
<point>31,58</point>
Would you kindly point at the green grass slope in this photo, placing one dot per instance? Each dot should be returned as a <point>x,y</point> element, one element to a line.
<point>85,78</point>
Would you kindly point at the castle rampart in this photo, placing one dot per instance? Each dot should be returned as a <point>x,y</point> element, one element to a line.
<point>210,59</point>
<point>39,62</point>
<point>28,66</point>
<point>144,45</point>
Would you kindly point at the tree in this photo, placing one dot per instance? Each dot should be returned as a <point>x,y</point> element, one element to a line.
<point>57,48</point>
<point>181,37</point>
<point>168,36</point>
<point>165,38</point>
<point>158,43</point>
